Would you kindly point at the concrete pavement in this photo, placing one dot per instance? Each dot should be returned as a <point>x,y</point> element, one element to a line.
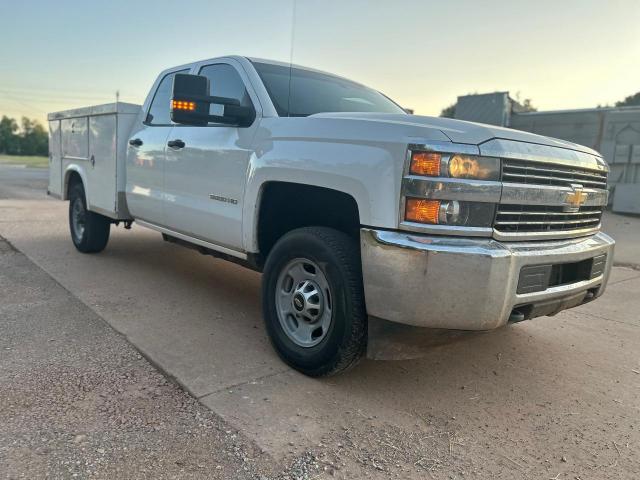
<point>626,230</point>
<point>557,397</point>
<point>20,182</point>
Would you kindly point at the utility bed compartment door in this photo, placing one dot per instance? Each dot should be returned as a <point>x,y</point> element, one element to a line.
<point>55,159</point>
<point>75,138</point>
<point>101,169</point>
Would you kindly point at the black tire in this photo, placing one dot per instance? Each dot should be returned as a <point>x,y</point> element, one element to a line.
<point>338,256</point>
<point>93,234</point>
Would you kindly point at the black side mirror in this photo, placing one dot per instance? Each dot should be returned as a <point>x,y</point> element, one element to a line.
<point>185,108</point>
<point>190,104</point>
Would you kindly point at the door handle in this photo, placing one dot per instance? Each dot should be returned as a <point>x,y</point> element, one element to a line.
<point>135,142</point>
<point>177,143</point>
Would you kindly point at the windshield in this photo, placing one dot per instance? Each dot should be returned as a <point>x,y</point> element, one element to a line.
<point>296,92</point>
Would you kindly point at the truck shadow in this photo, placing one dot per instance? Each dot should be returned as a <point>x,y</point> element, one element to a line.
<point>201,290</point>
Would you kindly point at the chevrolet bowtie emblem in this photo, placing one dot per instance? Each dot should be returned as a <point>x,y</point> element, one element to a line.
<point>576,198</point>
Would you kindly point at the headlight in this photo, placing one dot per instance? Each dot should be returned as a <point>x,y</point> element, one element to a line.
<point>449,212</point>
<point>469,166</point>
<point>457,165</point>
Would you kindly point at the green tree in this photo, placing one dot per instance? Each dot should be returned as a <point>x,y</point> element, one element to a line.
<point>631,100</point>
<point>33,138</point>
<point>30,138</point>
<point>8,137</point>
<point>449,112</point>
<point>527,106</point>
<point>522,106</point>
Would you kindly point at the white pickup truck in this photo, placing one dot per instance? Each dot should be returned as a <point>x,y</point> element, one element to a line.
<point>351,207</point>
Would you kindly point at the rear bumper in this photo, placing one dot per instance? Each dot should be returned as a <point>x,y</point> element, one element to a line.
<point>470,284</point>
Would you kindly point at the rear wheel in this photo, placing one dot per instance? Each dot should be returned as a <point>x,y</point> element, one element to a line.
<point>89,230</point>
<point>313,301</point>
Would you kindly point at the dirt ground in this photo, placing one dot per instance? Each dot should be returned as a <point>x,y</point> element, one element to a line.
<point>76,400</point>
<point>148,334</point>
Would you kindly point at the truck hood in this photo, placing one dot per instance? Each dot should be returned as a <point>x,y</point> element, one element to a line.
<point>459,131</point>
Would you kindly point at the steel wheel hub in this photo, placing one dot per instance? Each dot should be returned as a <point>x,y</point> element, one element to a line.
<point>78,216</point>
<point>303,302</point>
<point>307,300</point>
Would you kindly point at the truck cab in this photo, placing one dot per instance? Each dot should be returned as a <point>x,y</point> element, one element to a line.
<point>351,207</point>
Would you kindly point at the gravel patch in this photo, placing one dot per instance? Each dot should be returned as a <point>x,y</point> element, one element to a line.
<point>78,401</point>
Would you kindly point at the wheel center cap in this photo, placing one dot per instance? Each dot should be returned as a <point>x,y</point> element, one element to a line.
<point>298,302</point>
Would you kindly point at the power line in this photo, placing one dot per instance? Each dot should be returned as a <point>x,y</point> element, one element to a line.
<point>65,96</point>
<point>27,105</point>
<point>50,89</point>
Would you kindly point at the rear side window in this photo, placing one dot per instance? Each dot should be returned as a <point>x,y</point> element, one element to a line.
<point>159,110</point>
<point>225,81</point>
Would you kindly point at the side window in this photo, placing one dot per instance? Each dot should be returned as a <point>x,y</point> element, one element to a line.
<point>159,109</point>
<point>225,81</point>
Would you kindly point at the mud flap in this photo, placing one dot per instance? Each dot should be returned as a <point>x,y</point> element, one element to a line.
<point>395,341</point>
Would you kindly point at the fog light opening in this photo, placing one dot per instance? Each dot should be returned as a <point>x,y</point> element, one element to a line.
<point>516,316</point>
<point>591,294</point>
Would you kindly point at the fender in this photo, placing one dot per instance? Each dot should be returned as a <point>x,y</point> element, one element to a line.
<point>375,198</point>
<point>363,159</point>
<point>263,176</point>
<point>79,169</point>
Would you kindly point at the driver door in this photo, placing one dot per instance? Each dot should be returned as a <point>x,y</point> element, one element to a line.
<point>206,167</point>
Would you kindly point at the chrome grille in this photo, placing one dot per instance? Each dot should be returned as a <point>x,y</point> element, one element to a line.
<point>540,218</point>
<point>518,171</point>
<point>530,220</point>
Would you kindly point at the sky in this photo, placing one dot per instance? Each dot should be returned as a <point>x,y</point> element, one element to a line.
<point>562,54</point>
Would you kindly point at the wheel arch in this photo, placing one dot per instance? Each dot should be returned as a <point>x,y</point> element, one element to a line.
<point>71,174</point>
<point>276,214</point>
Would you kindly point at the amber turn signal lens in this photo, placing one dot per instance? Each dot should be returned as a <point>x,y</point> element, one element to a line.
<point>183,105</point>
<point>422,211</point>
<point>425,163</point>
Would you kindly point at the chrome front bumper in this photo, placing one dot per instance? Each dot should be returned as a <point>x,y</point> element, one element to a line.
<point>469,284</point>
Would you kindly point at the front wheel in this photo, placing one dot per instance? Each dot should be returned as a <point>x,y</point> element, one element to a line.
<point>89,230</point>
<point>313,301</point>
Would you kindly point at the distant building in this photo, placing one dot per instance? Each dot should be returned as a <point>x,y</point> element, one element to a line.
<point>613,131</point>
